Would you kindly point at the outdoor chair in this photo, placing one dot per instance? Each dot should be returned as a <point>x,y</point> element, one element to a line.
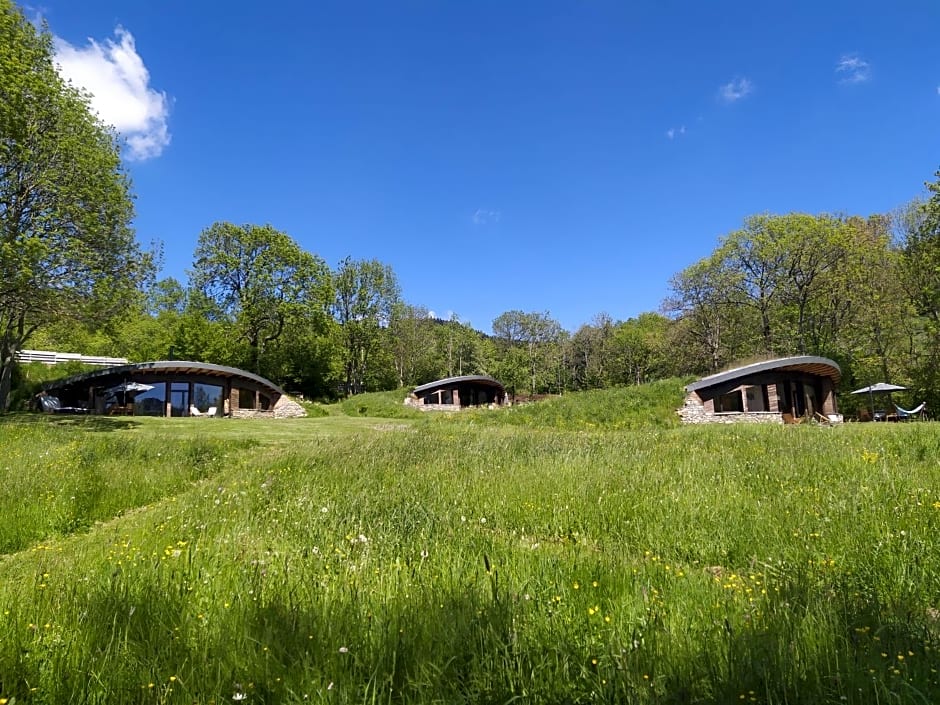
<point>193,411</point>
<point>918,411</point>
<point>212,411</point>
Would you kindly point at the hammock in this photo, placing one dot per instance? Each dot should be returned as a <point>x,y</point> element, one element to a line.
<point>916,411</point>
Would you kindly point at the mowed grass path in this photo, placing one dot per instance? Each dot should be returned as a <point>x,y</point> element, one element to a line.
<point>343,559</point>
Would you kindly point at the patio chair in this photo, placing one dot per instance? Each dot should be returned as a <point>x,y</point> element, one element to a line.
<point>212,411</point>
<point>193,411</point>
<point>907,414</point>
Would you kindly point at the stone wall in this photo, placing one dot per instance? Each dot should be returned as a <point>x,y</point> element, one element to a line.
<point>418,404</point>
<point>252,414</point>
<point>438,407</point>
<point>285,408</point>
<point>694,411</point>
<point>415,403</point>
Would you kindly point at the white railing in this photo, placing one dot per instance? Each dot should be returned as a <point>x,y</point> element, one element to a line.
<point>53,358</point>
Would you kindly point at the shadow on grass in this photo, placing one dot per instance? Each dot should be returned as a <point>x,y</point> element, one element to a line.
<point>76,421</point>
<point>851,649</point>
<point>471,649</point>
<point>464,647</point>
<point>466,652</point>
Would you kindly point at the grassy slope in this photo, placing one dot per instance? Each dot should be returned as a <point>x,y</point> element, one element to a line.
<point>347,559</point>
<point>382,404</point>
<point>646,406</point>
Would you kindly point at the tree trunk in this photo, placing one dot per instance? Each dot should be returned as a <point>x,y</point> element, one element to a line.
<point>766,331</point>
<point>6,378</point>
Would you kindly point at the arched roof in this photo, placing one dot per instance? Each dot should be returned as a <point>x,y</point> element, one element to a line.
<point>809,364</point>
<point>164,367</point>
<point>482,380</point>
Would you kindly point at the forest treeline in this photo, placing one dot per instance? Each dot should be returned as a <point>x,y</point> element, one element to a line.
<point>864,291</point>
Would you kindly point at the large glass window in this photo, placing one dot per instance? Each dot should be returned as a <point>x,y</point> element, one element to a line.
<point>207,399</point>
<point>731,401</point>
<point>757,398</point>
<point>151,402</point>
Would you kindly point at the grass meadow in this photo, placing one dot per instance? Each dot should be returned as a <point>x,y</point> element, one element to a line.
<point>564,555</point>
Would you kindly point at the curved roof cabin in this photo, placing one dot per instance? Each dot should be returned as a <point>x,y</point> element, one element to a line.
<point>784,390</point>
<point>172,388</point>
<point>455,393</point>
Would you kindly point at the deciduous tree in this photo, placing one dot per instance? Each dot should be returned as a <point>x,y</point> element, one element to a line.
<point>366,292</point>
<point>67,250</point>
<point>538,336</point>
<point>262,281</point>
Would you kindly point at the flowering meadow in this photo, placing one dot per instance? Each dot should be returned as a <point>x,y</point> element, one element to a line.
<point>449,560</point>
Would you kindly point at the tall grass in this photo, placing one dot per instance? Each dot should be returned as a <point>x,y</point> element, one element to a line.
<point>474,564</point>
<point>54,481</point>
<point>646,406</point>
<point>389,405</point>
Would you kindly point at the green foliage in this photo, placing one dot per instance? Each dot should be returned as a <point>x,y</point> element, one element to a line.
<point>29,378</point>
<point>639,407</point>
<point>467,564</point>
<point>920,264</point>
<point>460,349</point>
<point>709,325</point>
<point>67,251</point>
<point>367,292</point>
<point>262,284</point>
<point>529,345</point>
<point>798,284</point>
<point>314,410</point>
<point>781,267</point>
<point>411,338</point>
<point>607,354</point>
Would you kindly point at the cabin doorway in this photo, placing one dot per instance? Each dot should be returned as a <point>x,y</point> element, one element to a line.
<point>179,399</point>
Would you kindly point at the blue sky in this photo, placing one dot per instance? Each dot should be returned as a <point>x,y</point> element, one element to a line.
<point>567,157</point>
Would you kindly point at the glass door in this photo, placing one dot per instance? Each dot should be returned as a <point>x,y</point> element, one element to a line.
<point>179,399</point>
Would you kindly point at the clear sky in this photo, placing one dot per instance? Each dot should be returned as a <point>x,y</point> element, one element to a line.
<point>567,157</point>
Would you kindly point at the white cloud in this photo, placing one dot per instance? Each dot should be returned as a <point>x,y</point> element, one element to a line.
<point>119,84</point>
<point>735,90</point>
<point>483,216</point>
<point>674,132</point>
<point>851,68</point>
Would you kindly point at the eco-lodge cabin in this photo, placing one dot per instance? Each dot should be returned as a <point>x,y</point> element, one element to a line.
<point>169,388</point>
<point>456,393</point>
<point>785,390</point>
